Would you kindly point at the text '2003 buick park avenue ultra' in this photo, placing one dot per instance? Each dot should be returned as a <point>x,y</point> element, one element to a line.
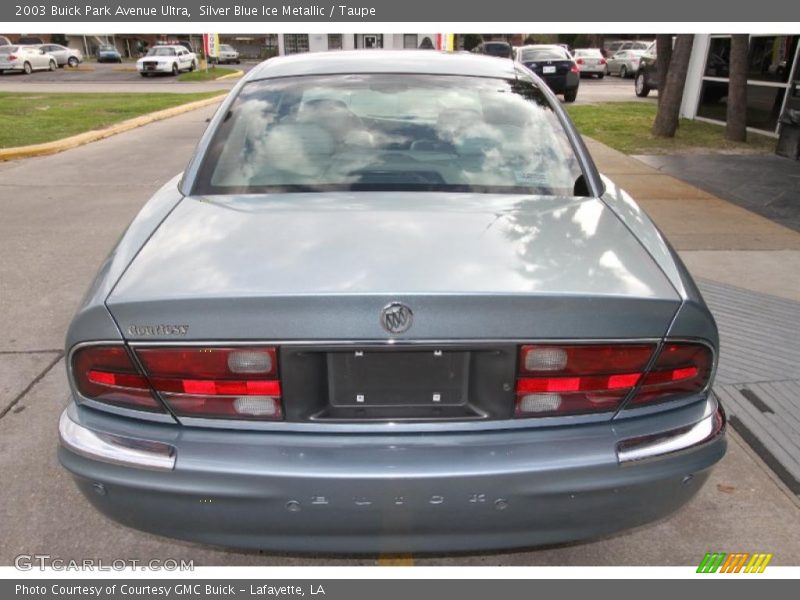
<point>391,305</point>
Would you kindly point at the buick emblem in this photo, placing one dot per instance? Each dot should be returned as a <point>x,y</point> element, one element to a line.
<point>396,317</point>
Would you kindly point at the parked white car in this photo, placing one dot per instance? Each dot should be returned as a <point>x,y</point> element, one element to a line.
<point>228,54</point>
<point>166,59</point>
<point>590,61</point>
<point>26,59</point>
<point>63,55</point>
<point>625,63</point>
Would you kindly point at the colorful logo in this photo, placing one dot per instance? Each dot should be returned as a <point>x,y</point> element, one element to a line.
<point>737,562</point>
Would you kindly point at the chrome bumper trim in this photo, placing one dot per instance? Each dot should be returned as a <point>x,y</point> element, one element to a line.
<point>114,449</point>
<point>668,443</point>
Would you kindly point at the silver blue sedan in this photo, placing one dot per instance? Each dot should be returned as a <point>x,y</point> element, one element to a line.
<point>391,305</point>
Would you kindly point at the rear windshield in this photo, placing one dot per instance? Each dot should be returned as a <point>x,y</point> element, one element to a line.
<point>536,54</point>
<point>8,49</point>
<point>589,53</point>
<point>389,133</point>
<point>226,48</point>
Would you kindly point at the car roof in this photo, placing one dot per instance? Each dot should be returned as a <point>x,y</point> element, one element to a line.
<point>385,61</point>
<point>173,46</point>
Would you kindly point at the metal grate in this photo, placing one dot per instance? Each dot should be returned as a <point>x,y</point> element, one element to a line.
<point>758,378</point>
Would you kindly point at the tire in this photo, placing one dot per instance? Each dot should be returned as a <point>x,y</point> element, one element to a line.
<point>601,75</point>
<point>571,95</point>
<point>72,62</point>
<point>144,74</point>
<point>27,68</point>
<point>193,66</point>
<point>53,65</point>
<point>119,61</point>
<point>175,69</point>
<point>623,72</point>
<point>640,85</point>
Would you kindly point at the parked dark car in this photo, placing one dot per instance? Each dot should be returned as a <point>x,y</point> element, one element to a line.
<point>647,73</point>
<point>555,66</point>
<point>108,53</point>
<point>499,49</point>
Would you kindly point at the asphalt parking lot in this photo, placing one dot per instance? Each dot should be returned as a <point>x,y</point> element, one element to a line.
<point>61,216</point>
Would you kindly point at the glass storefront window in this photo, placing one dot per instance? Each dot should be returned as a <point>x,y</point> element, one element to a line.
<point>771,57</point>
<point>409,40</point>
<point>763,104</point>
<point>334,41</point>
<point>719,57</point>
<point>294,43</point>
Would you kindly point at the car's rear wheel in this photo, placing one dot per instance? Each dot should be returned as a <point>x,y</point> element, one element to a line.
<point>27,68</point>
<point>72,62</point>
<point>623,72</point>
<point>570,96</point>
<point>193,66</point>
<point>640,85</point>
<point>175,69</point>
<point>601,75</point>
<point>53,65</point>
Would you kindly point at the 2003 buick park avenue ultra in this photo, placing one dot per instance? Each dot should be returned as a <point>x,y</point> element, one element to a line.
<point>391,305</point>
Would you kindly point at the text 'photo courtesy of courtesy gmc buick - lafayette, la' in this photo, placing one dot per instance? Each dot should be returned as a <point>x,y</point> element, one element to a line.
<point>391,306</point>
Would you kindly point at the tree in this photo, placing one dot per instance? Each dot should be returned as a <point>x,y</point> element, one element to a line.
<point>471,40</point>
<point>671,87</point>
<point>663,57</point>
<point>736,127</point>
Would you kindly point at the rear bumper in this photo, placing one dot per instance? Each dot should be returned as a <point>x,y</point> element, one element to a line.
<point>395,493</point>
<point>562,83</point>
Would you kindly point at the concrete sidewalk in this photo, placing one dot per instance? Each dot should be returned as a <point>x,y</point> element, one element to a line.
<point>718,240</point>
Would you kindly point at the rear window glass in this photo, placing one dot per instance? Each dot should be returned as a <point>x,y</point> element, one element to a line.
<point>8,49</point>
<point>389,132</point>
<point>536,54</point>
<point>589,53</point>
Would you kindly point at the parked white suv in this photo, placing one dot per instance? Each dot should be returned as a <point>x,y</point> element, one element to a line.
<point>166,59</point>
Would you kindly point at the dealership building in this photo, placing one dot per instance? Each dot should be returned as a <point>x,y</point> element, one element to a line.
<point>773,80</point>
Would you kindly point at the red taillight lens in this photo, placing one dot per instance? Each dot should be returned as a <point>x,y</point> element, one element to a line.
<point>573,379</point>
<point>603,61</point>
<point>107,374</point>
<point>12,57</point>
<point>579,61</point>
<point>235,382</point>
<point>681,368</point>
<point>575,69</point>
<point>561,379</point>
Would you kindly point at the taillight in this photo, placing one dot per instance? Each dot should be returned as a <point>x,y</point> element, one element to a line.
<point>574,379</point>
<point>232,382</point>
<point>603,61</point>
<point>575,69</point>
<point>681,368</point>
<point>107,374</point>
<point>12,57</point>
<point>564,379</point>
<point>579,61</point>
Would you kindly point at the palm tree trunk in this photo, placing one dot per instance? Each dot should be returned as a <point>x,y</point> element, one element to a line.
<point>736,128</point>
<point>663,57</point>
<point>671,88</point>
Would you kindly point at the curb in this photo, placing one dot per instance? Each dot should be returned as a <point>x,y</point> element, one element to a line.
<point>236,74</point>
<point>93,136</point>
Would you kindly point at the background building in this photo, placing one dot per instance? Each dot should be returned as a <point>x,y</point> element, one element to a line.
<point>772,79</point>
